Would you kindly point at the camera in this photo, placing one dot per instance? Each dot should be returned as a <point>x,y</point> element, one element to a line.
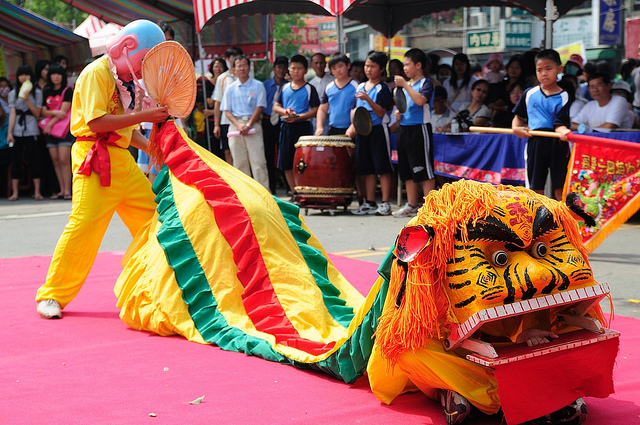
<point>464,119</point>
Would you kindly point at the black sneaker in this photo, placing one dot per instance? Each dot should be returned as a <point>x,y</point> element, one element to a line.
<point>572,414</point>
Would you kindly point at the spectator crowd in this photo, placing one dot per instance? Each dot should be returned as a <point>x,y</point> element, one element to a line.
<point>254,125</point>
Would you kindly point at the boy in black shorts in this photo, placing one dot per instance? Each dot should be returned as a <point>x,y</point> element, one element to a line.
<point>545,107</point>
<point>415,136</point>
<point>373,152</point>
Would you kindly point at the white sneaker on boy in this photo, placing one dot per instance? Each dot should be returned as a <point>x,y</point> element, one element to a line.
<point>384,209</point>
<point>367,208</point>
<point>406,211</point>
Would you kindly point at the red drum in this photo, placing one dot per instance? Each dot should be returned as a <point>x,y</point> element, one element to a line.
<point>323,166</point>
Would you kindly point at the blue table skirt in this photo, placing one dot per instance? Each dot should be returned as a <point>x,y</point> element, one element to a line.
<point>492,158</point>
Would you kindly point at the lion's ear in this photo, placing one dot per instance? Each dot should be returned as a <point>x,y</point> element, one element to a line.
<point>578,207</point>
<point>411,241</point>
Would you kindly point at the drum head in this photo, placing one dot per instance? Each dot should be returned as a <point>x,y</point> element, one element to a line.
<point>362,121</point>
<point>400,100</point>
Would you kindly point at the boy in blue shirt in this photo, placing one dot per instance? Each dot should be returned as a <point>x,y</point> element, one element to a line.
<point>297,103</point>
<point>373,152</point>
<point>338,98</point>
<point>545,107</point>
<point>415,135</point>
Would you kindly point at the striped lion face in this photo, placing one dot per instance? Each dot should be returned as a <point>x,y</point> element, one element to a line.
<point>517,252</point>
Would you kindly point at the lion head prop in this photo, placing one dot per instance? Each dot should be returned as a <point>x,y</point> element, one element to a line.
<point>478,253</point>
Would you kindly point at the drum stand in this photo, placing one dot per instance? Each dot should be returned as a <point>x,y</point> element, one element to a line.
<point>322,202</point>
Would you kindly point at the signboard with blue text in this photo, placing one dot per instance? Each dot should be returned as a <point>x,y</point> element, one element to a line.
<point>610,29</point>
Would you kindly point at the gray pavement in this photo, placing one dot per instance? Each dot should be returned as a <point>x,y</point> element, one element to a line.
<point>30,228</point>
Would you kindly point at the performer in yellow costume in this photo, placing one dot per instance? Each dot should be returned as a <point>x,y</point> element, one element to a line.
<point>224,262</point>
<point>104,115</point>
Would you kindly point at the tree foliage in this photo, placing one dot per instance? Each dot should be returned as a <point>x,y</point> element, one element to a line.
<point>55,10</point>
<point>284,35</point>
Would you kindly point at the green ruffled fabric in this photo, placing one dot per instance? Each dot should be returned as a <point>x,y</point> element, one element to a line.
<point>317,264</point>
<point>347,363</point>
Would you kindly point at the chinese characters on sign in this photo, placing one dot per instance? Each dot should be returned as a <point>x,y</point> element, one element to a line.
<point>484,39</point>
<point>609,167</point>
<point>306,35</point>
<point>513,34</point>
<point>517,35</point>
<point>483,42</point>
<point>381,43</point>
<point>610,22</point>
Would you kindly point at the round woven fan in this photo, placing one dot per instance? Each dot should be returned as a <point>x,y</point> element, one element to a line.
<point>170,79</point>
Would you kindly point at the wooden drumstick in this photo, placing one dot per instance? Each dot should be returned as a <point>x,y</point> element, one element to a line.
<point>510,131</point>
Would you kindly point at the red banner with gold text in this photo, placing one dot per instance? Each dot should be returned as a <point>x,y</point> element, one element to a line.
<point>605,173</point>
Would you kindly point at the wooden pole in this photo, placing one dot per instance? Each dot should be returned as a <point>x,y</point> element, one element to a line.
<point>571,137</point>
<point>509,131</point>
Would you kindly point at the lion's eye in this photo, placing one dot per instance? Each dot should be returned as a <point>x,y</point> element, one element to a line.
<point>539,250</point>
<point>500,258</point>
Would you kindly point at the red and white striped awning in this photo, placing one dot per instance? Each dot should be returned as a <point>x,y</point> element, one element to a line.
<point>98,41</point>
<point>89,26</point>
<point>204,10</point>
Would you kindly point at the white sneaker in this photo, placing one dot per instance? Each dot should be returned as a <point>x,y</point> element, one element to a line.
<point>366,208</point>
<point>406,211</point>
<point>384,209</point>
<point>49,309</point>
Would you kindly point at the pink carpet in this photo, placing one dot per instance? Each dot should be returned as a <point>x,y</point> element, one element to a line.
<point>89,368</point>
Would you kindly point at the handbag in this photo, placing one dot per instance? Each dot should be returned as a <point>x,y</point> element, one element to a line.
<point>61,128</point>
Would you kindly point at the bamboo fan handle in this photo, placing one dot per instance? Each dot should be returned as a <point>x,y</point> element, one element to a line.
<point>509,131</point>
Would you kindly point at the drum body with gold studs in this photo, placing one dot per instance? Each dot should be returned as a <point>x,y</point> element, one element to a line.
<point>323,171</point>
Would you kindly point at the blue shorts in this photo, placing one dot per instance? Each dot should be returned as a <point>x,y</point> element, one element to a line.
<point>289,135</point>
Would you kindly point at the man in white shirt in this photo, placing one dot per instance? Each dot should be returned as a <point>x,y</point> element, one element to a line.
<point>320,82</point>
<point>242,104</point>
<point>221,123</point>
<point>605,112</point>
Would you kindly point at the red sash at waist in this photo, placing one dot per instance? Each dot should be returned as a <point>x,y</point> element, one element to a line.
<point>97,158</point>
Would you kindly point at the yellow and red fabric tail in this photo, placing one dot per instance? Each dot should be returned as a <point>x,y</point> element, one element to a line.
<point>226,263</point>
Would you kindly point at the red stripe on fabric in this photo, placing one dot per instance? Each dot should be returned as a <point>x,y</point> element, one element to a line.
<point>259,298</point>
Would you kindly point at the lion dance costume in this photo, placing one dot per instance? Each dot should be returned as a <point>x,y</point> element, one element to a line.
<point>224,262</point>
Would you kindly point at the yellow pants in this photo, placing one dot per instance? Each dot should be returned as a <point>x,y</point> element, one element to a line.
<point>430,369</point>
<point>129,195</point>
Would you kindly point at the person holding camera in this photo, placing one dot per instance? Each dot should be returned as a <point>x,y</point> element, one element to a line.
<point>474,113</point>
